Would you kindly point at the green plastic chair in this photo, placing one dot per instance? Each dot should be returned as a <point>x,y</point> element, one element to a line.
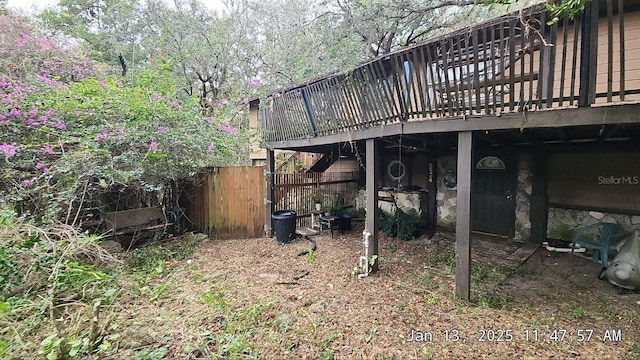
<point>600,238</point>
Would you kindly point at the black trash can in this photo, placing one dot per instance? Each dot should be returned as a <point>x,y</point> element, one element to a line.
<point>284,224</point>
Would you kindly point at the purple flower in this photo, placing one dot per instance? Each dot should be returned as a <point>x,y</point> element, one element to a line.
<point>9,150</point>
<point>210,150</point>
<point>47,149</point>
<point>175,105</point>
<point>103,134</point>
<point>45,170</point>
<point>153,146</point>
<point>59,124</point>
<point>161,130</point>
<point>28,182</point>
<point>245,101</point>
<point>39,166</point>
<point>227,128</point>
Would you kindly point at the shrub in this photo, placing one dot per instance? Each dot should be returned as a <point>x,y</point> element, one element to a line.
<point>400,224</point>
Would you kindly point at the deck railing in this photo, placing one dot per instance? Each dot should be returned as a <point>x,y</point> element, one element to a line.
<point>511,64</point>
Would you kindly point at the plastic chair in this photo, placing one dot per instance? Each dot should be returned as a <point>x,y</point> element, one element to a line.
<point>600,238</point>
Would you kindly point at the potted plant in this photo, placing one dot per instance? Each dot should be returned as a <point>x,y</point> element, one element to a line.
<point>316,197</point>
<point>336,206</point>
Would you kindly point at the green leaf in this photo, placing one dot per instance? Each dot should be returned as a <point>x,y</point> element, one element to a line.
<point>4,307</point>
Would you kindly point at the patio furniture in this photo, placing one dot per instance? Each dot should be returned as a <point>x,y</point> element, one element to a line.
<point>600,238</point>
<point>315,219</point>
<point>135,220</point>
<point>330,221</point>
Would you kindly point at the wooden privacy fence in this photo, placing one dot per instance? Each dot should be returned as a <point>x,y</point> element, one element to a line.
<point>293,191</point>
<point>228,202</point>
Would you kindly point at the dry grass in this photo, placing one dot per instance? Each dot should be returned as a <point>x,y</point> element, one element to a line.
<point>242,299</point>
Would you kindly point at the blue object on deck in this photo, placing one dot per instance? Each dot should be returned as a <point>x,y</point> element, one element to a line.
<point>600,238</point>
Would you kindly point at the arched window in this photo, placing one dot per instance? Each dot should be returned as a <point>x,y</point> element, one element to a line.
<point>490,163</point>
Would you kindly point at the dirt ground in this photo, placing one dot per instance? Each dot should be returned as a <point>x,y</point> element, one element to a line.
<point>248,298</point>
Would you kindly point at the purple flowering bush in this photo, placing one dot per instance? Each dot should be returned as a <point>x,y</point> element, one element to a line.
<point>70,133</point>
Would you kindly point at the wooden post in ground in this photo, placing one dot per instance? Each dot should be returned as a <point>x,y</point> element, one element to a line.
<point>538,203</point>
<point>463,215</point>
<point>371,223</point>
<point>269,196</point>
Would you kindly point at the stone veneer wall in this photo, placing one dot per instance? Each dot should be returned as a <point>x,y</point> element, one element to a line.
<point>446,198</point>
<point>561,220</point>
<point>523,200</point>
<point>558,219</point>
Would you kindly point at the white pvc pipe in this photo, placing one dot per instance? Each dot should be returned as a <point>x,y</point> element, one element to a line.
<point>364,260</point>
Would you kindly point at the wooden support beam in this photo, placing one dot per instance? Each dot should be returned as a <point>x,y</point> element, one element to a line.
<point>605,115</point>
<point>371,223</point>
<point>538,205</point>
<point>270,191</point>
<point>493,138</point>
<point>606,132</point>
<point>562,134</point>
<point>529,136</point>
<point>463,216</point>
<point>432,203</point>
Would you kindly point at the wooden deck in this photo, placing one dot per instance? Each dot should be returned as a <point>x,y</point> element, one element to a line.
<point>474,79</point>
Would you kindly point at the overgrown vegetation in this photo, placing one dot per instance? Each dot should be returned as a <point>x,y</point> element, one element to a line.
<point>60,290</point>
<point>399,224</point>
<point>57,292</point>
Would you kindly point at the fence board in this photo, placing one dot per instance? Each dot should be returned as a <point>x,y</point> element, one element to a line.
<point>293,191</point>
<point>228,202</point>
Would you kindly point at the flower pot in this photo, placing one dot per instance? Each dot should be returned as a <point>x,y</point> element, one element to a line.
<point>318,206</point>
<point>345,221</point>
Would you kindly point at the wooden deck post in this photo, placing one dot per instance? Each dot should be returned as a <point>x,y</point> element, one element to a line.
<point>269,196</point>
<point>463,215</point>
<point>432,202</point>
<point>371,224</point>
<point>538,211</point>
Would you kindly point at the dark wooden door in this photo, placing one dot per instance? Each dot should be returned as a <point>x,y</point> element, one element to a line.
<point>493,196</point>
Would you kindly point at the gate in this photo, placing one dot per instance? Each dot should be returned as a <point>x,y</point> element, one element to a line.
<point>228,202</point>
